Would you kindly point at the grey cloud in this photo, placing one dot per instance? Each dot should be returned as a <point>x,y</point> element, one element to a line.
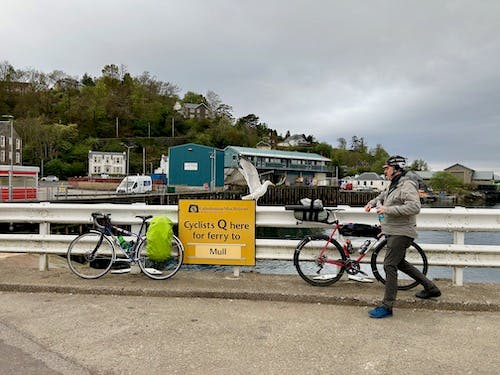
<point>418,77</point>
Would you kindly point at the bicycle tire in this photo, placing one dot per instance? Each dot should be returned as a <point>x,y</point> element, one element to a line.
<point>165,269</point>
<point>319,272</point>
<point>414,254</point>
<point>87,262</point>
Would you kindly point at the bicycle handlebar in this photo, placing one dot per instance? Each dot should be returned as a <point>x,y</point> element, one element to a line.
<point>96,216</point>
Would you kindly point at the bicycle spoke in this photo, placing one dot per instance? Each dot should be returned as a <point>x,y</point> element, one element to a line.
<point>414,255</point>
<point>163,269</point>
<point>319,261</point>
<point>90,257</point>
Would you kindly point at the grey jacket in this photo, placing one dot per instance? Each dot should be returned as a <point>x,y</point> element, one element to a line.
<point>402,205</point>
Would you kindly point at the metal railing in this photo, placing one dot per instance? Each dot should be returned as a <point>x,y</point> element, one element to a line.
<point>456,220</point>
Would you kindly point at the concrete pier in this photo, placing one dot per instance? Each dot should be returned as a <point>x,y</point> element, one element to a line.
<point>214,323</point>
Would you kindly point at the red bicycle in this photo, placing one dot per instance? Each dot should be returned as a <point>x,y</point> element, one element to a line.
<point>321,260</point>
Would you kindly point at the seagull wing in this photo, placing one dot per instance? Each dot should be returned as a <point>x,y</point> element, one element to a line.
<point>259,192</point>
<point>250,173</point>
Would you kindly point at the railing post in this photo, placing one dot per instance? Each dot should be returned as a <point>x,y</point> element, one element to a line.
<point>43,260</point>
<point>236,271</point>
<point>458,272</point>
<point>458,276</point>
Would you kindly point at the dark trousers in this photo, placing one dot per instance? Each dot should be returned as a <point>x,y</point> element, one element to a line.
<point>395,260</point>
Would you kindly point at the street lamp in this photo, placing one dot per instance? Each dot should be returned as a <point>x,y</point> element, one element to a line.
<point>11,170</point>
<point>177,107</point>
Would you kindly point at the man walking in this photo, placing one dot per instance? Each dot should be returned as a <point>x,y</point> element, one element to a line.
<point>399,205</point>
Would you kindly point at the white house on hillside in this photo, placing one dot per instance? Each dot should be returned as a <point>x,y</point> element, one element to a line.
<point>110,163</point>
<point>294,140</point>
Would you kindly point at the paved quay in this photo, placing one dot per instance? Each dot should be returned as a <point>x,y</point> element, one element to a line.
<point>212,323</point>
<point>20,274</point>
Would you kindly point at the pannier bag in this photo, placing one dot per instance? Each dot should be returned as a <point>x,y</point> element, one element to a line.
<point>159,238</point>
<point>360,230</point>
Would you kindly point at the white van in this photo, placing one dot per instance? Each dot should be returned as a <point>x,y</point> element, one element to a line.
<point>135,184</point>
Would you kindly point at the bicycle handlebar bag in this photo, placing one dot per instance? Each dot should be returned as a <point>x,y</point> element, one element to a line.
<point>159,238</point>
<point>359,230</point>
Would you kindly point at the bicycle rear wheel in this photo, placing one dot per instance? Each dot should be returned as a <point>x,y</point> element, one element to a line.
<point>316,266</point>
<point>161,270</point>
<point>414,254</point>
<point>90,255</point>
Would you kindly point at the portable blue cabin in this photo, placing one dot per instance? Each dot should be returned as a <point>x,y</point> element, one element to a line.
<point>195,165</point>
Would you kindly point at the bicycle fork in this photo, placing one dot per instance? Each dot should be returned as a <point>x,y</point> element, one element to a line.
<point>91,256</point>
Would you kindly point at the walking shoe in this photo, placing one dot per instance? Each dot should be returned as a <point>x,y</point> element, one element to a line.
<point>380,312</point>
<point>426,294</point>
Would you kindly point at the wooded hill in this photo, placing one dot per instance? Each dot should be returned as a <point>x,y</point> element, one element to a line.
<point>60,118</point>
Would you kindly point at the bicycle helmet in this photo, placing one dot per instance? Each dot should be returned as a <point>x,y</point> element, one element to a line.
<point>397,162</point>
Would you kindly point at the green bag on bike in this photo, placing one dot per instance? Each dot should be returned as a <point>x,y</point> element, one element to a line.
<point>159,238</point>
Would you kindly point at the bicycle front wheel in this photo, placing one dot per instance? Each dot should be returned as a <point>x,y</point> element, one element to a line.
<point>414,255</point>
<point>161,270</point>
<point>90,255</point>
<point>319,260</point>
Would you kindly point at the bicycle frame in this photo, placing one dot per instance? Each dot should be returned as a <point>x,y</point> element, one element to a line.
<point>322,259</point>
<point>131,254</point>
<point>347,247</point>
<point>92,254</point>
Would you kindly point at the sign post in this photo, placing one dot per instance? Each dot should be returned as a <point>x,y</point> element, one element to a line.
<point>219,232</point>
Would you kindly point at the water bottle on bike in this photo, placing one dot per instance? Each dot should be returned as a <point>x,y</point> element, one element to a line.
<point>365,246</point>
<point>123,243</point>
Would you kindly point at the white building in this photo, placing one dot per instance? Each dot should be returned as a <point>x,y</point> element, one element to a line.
<point>294,141</point>
<point>163,168</point>
<point>108,163</point>
<point>369,181</point>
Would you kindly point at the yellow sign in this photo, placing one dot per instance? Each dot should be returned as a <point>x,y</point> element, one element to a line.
<point>218,231</point>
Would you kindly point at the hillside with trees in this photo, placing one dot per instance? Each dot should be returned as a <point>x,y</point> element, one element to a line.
<point>60,118</point>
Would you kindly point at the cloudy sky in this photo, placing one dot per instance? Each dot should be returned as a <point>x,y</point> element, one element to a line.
<point>421,78</point>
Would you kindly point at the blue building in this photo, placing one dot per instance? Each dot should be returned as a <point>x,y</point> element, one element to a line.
<point>195,165</point>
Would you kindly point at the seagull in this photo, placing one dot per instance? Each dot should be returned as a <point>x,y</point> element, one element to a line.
<point>257,189</point>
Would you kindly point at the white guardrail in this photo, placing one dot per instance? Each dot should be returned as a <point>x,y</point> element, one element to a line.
<point>456,220</point>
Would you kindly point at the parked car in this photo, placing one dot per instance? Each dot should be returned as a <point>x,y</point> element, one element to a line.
<point>50,178</point>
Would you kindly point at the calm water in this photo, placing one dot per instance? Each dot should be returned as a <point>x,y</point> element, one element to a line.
<point>484,275</point>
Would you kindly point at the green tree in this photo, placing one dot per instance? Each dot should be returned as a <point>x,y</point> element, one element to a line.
<point>358,144</point>
<point>342,143</point>
<point>446,182</point>
<point>418,165</point>
<point>192,97</point>
<point>249,120</point>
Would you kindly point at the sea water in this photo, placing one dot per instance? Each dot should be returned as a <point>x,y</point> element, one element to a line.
<point>471,274</point>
